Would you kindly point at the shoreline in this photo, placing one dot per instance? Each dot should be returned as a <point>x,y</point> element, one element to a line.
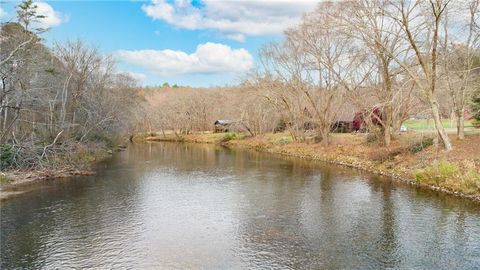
<point>366,168</point>
<point>14,180</point>
<point>312,151</point>
<point>308,151</point>
<point>23,178</point>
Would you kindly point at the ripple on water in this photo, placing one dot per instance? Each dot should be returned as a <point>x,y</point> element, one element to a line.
<point>174,206</point>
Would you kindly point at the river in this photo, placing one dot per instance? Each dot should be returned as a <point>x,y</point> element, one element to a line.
<point>195,206</point>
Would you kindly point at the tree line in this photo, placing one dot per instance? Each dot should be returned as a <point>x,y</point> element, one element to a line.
<point>55,101</point>
<point>399,57</point>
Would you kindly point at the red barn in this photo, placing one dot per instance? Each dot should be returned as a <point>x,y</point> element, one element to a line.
<point>359,118</point>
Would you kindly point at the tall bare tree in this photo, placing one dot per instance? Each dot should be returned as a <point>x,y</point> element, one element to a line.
<point>367,22</point>
<point>459,55</point>
<point>421,22</point>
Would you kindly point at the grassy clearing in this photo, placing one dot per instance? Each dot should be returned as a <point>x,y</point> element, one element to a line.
<point>426,124</point>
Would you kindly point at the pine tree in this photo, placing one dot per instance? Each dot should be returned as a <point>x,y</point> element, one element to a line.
<point>27,14</point>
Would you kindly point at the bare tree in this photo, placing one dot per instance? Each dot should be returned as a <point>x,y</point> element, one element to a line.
<point>80,63</point>
<point>17,41</point>
<point>459,56</point>
<point>319,64</point>
<point>420,23</point>
<point>281,86</point>
<point>381,36</point>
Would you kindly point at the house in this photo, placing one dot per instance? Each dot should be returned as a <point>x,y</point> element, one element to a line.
<point>223,126</point>
<point>352,120</point>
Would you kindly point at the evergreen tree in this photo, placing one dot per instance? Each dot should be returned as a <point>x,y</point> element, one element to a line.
<point>476,109</point>
<point>27,14</point>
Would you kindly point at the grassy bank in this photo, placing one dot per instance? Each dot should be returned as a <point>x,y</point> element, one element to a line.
<point>413,157</point>
<point>428,124</point>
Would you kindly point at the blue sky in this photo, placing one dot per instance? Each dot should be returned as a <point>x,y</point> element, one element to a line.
<point>197,43</point>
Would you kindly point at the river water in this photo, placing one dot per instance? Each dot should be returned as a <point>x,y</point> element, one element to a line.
<point>193,206</point>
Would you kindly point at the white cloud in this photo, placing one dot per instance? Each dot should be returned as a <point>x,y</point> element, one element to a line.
<point>137,76</point>
<point>52,17</point>
<point>237,37</point>
<point>235,19</point>
<point>208,58</point>
<point>2,12</point>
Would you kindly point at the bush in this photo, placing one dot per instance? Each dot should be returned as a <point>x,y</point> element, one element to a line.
<point>437,173</point>
<point>82,155</point>
<point>450,176</point>
<point>102,138</point>
<point>371,138</point>
<point>476,123</point>
<point>476,109</point>
<point>228,137</point>
<point>384,154</point>
<point>283,140</point>
<point>421,145</point>
<point>281,126</point>
<point>6,156</point>
<point>4,179</point>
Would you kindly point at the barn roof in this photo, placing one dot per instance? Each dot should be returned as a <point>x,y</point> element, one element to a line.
<point>223,122</point>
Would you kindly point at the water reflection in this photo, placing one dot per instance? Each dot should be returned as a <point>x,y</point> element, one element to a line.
<point>170,205</point>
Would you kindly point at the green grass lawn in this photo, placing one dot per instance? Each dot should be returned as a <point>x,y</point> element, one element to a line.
<point>428,124</point>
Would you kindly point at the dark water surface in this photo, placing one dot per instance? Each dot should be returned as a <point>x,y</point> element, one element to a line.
<point>186,206</point>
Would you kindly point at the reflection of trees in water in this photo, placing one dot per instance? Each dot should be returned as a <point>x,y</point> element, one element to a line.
<point>337,220</point>
<point>290,213</point>
<point>27,224</point>
<point>296,213</point>
<point>176,156</point>
<point>387,247</point>
<point>269,232</point>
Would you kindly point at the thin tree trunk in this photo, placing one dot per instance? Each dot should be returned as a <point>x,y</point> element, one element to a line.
<point>387,136</point>
<point>387,125</point>
<point>442,134</point>
<point>325,134</point>
<point>461,125</point>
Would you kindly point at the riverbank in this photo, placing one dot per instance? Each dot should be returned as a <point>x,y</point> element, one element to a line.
<point>13,180</point>
<point>79,163</point>
<point>413,157</point>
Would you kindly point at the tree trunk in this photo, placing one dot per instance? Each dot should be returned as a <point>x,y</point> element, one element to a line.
<point>387,125</point>
<point>387,135</point>
<point>442,134</point>
<point>461,125</point>
<point>5,116</point>
<point>325,134</point>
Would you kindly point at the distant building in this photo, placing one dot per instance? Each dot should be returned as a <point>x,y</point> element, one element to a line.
<point>223,126</point>
<point>354,120</point>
